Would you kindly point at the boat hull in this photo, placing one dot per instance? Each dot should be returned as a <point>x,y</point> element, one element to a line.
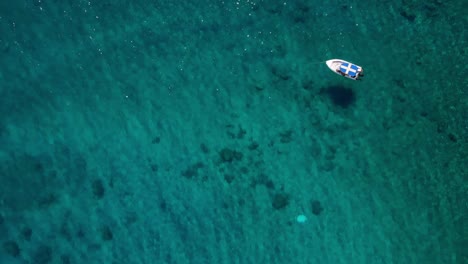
<point>345,68</point>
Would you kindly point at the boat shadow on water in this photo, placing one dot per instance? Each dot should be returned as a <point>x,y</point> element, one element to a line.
<point>339,95</point>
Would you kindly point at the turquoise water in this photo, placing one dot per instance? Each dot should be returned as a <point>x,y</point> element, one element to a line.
<point>198,131</point>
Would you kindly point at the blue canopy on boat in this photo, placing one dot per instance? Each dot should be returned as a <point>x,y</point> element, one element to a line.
<point>349,69</point>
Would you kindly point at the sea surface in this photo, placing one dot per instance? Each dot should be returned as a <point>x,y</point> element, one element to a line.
<point>208,131</point>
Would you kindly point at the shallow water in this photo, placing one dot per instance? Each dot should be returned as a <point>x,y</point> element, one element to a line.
<point>197,132</point>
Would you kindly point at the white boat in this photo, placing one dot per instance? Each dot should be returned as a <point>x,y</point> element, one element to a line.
<point>345,68</point>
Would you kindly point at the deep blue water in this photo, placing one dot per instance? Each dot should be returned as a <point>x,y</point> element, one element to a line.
<point>198,131</point>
